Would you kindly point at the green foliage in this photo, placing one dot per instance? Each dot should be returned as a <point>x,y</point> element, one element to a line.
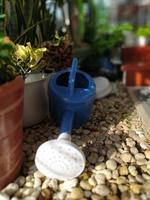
<point>29,20</point>
<point>143,31</point>
<point>6,48</point>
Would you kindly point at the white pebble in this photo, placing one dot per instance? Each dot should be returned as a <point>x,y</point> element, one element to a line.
<point>29,184</point>
<point>107,173</point>
<point>53,184</point>
<point>11,188</point>
<point>37,183</point>
<point>115,174</point>
<point>29,198</point>
<point>139,156</point>
<point>134,150</point>
<point>111,164</point>
<point>147,154</point>
<point>38,174</point>
<point>45,184</point>
<point>126,157</point>
<point>4,196</point>
<point>102,190</point>
<point>132,170</point>
<point>92,181</point>
<point>100,166</point>
<point>70,184</point>
<point>27,191</point>
<point>84,184</point>
<point>87,194</point>
<point>100,179</point>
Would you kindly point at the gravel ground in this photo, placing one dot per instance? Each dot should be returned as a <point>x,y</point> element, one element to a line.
<point>117,153</point>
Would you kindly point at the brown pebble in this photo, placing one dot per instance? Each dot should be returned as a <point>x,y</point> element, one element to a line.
<point>45,194</point>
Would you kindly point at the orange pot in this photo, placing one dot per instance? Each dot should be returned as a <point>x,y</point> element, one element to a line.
<point>11,130</point>
<point>136,74</point>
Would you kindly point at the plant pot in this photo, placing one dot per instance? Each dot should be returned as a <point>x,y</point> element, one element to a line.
<point>135,54</point>
<point>11,130</point>
<point>35,99</point>
<point>136,74</point>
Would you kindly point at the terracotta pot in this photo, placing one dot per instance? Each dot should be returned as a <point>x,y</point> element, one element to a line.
<point>136,74</point>
<point>135,54</point>
<point>11,130</point>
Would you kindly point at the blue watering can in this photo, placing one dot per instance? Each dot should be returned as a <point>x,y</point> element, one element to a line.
<point>71,96</point>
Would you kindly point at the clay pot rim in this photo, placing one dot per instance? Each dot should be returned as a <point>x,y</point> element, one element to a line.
<point>11,86</point>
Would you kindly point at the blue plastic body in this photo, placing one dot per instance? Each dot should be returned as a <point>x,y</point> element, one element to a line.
<point>70,104</point>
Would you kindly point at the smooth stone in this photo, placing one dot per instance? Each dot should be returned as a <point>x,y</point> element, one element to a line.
<point>123,170</point>
<point>27,191</point>
<point>115,174</point>
<point>130,142</point>
<point>146,176</point>
<point>100,179</point>
<point>38,174</point>
<point>76,193</point>
<point>93,157</point>
<point>111,164</point>
<point>92,181</point>
<point>135,188</point>
<point>126,157</point>
<point>29,184</point>
<point>29,198</point>
<point>53,184</point>
<point>45,194</point>
<point>147,154</point>
<point>101,159</point>
<point>84,184</point>
<point>45,184</point>
<point>123,188</point>
<point>4,196</point>
<point>11,188</point>
<point>121,180</point>
<point>139,156</point>
<point>100,166</point>
<point>95,197</point>
<point>107,173</point>
<point>139,179</point>
<point>70,184</point>
<point>87,194</point>
<point>132,170</point>
<point>102,190</point>
<point>14,198</point>
<point>61,195</point>
<point>37,183</point>
<point>133,150</point>
<point>111,153</point>
<point>20,181</point>
<point>141,162</point>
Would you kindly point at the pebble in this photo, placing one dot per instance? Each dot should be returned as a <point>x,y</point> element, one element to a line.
<point>102,190</point>
<point>126,157</point>
<point>115,174</point>
<point>147,154</point>
<point>100,179</point>
<point>93,157</point>
<point>130,142</point>
<point>92,181</point>
<point>132,170</point>
<point>37,183</point>
<point>111,164</point>
<point>139,156</point>
<point>70,184</point>
<point>100,166</point>
<point>123,170</point>
<point>133,150</point>
<point>95,197</point>
<point>141,162</point>
<point>123,188</point>
<point>53,183</point>
<point>87,194</point>
<point>38,174</point>
<point>135,188</point>
<point>4,196</point>
<point>45,194</point>
<point>45,184</point>
<point>11,188</point>
<point>20,181</point>
<point>107,173</point>
<point>121,180</point>
<point>84,184</point>
<point>76,193</point>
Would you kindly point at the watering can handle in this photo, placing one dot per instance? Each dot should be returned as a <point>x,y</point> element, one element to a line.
<point>67,120</point>
<point>72,76</point>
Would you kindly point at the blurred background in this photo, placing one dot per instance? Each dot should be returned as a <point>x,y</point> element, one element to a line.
<point>95,30</point>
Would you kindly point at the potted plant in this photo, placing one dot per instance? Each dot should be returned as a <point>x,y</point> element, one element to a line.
<point>142,34</point>
<point>11,115</point>
<point>108,38</point>
<point>27,62</point>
